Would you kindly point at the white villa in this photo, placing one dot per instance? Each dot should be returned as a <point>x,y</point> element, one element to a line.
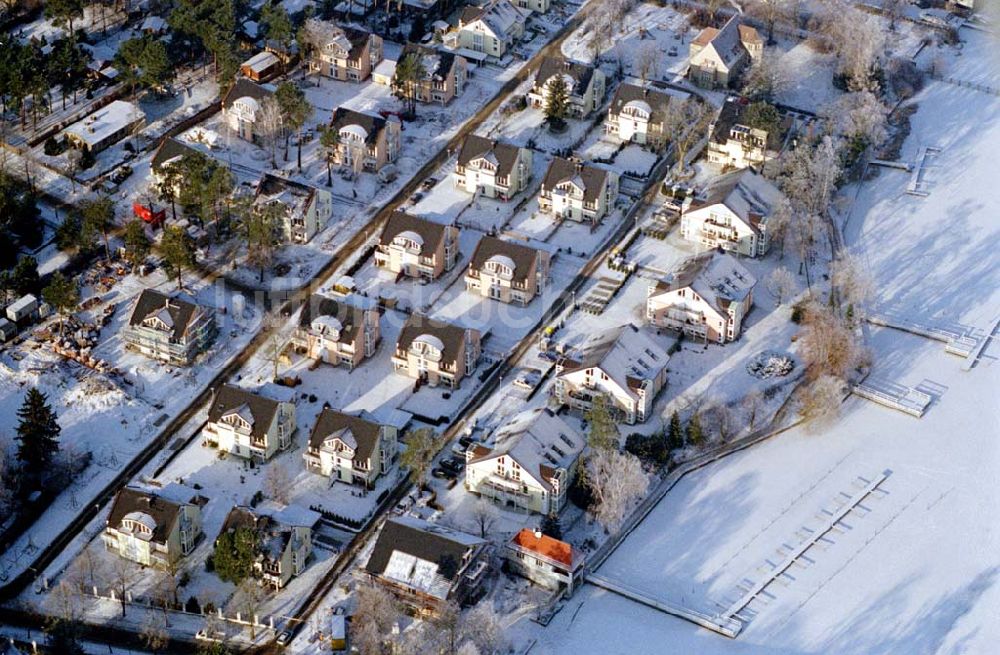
<point>304,209</point>
<point>249,425</point>
<point>623,364</point>
<point>350,448</point>
<point>154,528</point>
<point>283,542</point>
<point>491,168</point>
<point>732,213</point>
<point>707,298</point>
<point>733,143</point>
<point>507,271</point>
<point>168,328</point>
<point>434,352</point>
<point>242,106</point>
<point>586,85</point>
<point>492,29</point>
<point>338,332</point>
<point>718,56</point>
<point>638,115</point>
<point>530,464</point>
<point>411,246</point>
<point>577,191</point>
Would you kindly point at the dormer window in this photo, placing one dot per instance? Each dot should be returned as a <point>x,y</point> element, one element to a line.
<point>501,266</point>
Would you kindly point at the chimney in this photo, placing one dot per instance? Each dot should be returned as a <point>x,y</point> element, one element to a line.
<point>538,533</point>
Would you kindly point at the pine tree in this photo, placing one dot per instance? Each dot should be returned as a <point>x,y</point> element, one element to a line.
<point>234,554</point>
<point>177,251</point>
<point>551,526</point>
<point>694,431</point>
<point>62,295</point>
<point>137,244</point>
<point>675,433</point>
<point>602,432</point>
<point>63,637</point>
<point>38,434</point>
<point>556,100</point>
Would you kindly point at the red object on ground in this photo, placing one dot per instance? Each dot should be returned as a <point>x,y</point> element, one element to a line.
<point>148,214</point>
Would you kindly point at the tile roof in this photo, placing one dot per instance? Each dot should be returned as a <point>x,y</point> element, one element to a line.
<point>590,177</point>
<point>524,257</point>
<point>504,155</point>
<point>174,312</point>
<point>544,545</point>
<point>169,150</point>
<point>657,101</point>
<point>430,233</point>
<point>451,336</point>
<point>372,124</point>
<point>348,428</point>
<point>257,409</point>
<point>244,88</point>
<point>350,317</point>
<point>581,74</point>
<point>129,500</point>
<point>424,540</point>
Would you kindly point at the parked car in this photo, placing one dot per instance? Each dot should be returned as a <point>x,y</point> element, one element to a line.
<point>442,474</point>
<point>528,378</point>
<point>453,465</point>
<point>284,637</point>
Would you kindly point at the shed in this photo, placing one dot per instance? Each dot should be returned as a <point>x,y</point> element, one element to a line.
<point>22,308</point>
<point>338,632</point>
<point>7,330</point>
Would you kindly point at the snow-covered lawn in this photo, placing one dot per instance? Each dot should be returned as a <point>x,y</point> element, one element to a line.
<point>915,570</point>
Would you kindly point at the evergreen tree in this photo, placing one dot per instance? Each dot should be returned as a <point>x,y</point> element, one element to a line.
<point>420,449</point>
<point>295,110</point>
<point>410,73</point>
<point>137,245</point>
<point>25,277</point>
<point>329,138</point>
<point>675,433</point>
<point>556,100</point>
<point>551,526</point>
<point>694,431</point>
<point>98,218</point>
<point>234,554</point>
<point>602,433</point>
<point>37,434</point>
<point>62,294</point>
<point>62,637</point>
<point>177,251</point>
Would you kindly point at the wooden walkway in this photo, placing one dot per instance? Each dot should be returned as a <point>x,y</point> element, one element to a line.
<point>896,396</point>
<point>957,339</point>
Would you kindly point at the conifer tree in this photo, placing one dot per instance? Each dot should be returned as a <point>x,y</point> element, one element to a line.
<point>694,431</point>
<point>675,433</point>
<point>602,432</point>
<point>37,434</point>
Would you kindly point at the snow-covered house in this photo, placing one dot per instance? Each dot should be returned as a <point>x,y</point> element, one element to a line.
<point>624,364</point>
<point>435,352</point>
<point>732,142</point>
<point>169,328</point>
<point>366,141</point>
<point>350,448</point>
<point>154,527</point>
<point>445,73</point>
<point>241,108</point>
<point>337,331</point>
<point>427,565</point>
<point>707,298</point>
<point>732,213</point>
<point>529,466</point>
<point>492,28</point>
<point>168,152</point>
<point>249,424</point>
<point>585,85</point>
<point>261,67</point>
<point>717,56</point>
<point>546,561</point>
<point>578,191</point>
<point>491,168</point>
<point>507,271</point>
<point>537,6</point>
<point>416,247</point>
<point>105,127</point>
<point>304,209</point>
<point>346,53</point>
<point>282,539</point>
<point>638,114</point>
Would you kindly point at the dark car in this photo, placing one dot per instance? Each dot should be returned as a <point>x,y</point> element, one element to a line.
<point>453,465</point>
<point>442,474</point>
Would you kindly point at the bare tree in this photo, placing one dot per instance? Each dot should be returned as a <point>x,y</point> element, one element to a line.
<point>122,575</point>
<point>485,630</point>
<point>376,614</point>
<point>685,121</point>
<point>778,224</point>
<point>856,38</point>
<point>268,126</point>
<point>723,419</point>
<point>485,517</point>
<point>154,636</point>
<point>852,282</point>
<point>828,346</point>
<point>247,600</point>
<point>768,77</point>
<point>753,403</point>
<point>859,117</point>
<point>894,9</point>
<point>781,284</point>
<point>771,12</point>
<point>277,483</point>
<point>821,400</point>
<point>647,61</point>
<point>616,481</point>
<point>63,602</point>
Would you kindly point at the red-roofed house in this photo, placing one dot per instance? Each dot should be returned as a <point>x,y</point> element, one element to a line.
<point>543,560</point>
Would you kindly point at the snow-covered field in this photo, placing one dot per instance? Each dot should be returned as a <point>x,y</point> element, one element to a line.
<point>915,570</point>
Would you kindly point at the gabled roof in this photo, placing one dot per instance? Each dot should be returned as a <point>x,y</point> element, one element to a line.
<point>244,88</point>
<point>438,64</point>
<point>498,16</point>
<point>431,234</point>
<point>372,124</point>
<point>425,541</point>
<point>581,74</point>
<point>451,336</point>
<point>177,314</point>
<point>718,278</point>
<point>590,177</point>
<point>273,534</point>
<point>350,317</point>
<point>359,433</point>
<point>169,150</point>
<point>351,39</point>
<point>727,41</point>
<point>538,440</point>
<point>292,194</point>
<point>749,196</point>
<point>162,511</point>
<point>504,155</point>
<point>656,101</point>
<point>731,114</point>
<point>523,257</point>
<point>626,354</point>
<point>259,410</point>
<point>545,546</point>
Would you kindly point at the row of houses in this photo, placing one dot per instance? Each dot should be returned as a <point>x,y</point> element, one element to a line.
<point>159,527</point>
